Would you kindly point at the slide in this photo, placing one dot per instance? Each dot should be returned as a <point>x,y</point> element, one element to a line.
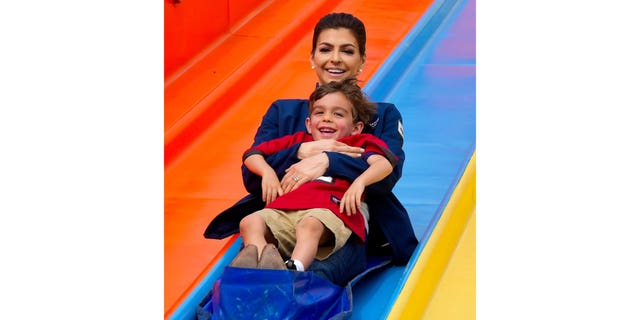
<point>420,56</point>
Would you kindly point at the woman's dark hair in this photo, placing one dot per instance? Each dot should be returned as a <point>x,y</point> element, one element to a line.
<point>341,20</point>
<point>363,109</point>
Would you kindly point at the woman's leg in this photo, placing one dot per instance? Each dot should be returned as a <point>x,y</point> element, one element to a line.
<point>344,264</point>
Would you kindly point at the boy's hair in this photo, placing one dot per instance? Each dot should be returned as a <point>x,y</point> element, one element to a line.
<point>341,20</point>
<point>363,109</point>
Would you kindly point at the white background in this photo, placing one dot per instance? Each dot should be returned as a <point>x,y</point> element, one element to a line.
<point>81,170</point>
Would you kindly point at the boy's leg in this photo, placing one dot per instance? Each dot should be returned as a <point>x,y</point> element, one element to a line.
<point>251,229</point>
<point>254,231</point>
<point>310,233</point>
<point>257,236</point>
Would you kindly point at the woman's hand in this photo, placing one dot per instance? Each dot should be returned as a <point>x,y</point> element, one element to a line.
<point>305,170</point>
<point>309,149</point>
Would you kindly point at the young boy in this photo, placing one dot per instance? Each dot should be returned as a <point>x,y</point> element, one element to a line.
<point>317,218</point>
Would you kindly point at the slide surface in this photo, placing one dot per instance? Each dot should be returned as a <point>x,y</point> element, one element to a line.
<point>432,82</point>
<point>421,56</point>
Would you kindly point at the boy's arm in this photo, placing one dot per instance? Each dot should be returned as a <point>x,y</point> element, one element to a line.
<point>379,168</point>
<point>271,188</point>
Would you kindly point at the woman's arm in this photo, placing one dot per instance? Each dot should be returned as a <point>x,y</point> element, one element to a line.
<point>286,117</point>
<point>388,128</point>
<point>391,131</point>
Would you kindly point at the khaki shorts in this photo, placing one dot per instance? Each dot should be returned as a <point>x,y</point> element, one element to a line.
<point>283,226</point>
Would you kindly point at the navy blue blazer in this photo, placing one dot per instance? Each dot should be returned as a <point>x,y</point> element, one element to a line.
<point>389,222</point>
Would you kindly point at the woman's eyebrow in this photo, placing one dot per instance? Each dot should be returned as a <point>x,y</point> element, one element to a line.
<point>341,45</point>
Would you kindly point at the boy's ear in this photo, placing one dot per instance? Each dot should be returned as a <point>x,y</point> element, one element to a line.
<point>358,127</point>
<point>307,123</point>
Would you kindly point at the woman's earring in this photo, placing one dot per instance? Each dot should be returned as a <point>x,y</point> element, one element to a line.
<point>313,67</point>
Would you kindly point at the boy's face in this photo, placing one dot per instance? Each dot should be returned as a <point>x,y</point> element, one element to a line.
<point>331,117</point>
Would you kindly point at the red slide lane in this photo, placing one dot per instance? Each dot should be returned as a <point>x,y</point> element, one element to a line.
<point>203,178</point>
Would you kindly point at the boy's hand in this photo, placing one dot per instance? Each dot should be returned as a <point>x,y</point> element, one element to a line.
<point>271,188</point>
<point>351,201</point>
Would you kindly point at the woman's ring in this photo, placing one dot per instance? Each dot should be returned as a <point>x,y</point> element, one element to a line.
<point>295,178</point>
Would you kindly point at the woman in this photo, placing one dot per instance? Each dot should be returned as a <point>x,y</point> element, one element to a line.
<point>338,52</point>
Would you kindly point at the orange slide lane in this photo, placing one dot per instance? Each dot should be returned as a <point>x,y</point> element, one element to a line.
<point>211,120</point>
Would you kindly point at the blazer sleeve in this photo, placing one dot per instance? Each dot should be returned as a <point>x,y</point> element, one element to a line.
<point>391,131</point>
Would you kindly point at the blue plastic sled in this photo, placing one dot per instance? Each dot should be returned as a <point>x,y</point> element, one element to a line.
<point>242,293</point>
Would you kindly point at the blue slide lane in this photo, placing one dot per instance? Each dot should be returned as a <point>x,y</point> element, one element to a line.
<point>431,78</point>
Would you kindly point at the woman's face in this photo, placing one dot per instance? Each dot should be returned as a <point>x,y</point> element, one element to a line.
<point>337,56</point>
<point>331,117</point>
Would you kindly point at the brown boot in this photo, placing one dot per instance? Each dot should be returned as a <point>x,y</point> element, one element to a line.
<point>246,258</point>
<point>270,258</point>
